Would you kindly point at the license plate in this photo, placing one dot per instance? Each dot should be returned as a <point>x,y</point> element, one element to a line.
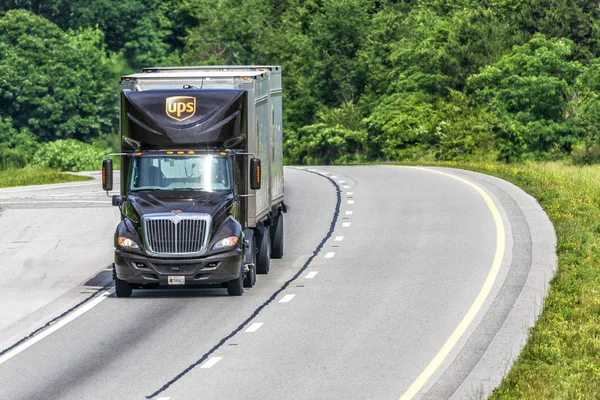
<point>176,280</point>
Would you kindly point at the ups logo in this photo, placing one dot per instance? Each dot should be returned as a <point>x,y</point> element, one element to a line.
<point>181,108</point>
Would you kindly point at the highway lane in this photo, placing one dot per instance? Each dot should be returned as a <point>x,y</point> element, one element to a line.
<point>407,254</point>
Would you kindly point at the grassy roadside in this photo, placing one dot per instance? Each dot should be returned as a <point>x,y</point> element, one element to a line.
<point>31,176</point>
<point>562,357</point>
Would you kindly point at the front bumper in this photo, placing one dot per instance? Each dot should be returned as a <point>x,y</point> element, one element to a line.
<point>143,270</point>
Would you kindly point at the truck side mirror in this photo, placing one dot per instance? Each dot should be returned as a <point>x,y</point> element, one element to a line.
<point>107,175</point>
<point>255,173</point>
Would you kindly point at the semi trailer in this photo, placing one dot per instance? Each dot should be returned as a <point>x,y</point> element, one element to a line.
<point>201,178</point>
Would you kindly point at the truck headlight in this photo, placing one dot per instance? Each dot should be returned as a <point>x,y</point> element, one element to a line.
<point>224,243</point>
<point>127,243</point>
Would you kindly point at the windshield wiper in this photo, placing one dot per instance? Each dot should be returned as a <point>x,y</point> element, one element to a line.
<point>147,190</point>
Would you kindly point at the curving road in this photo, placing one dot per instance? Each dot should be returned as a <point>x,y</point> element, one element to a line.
<point>394,284</point>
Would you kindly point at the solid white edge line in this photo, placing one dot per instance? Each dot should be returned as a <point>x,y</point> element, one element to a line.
<point>211,362</point>
<point>254,327</point>
<point>287,298</point>
<point>56,326</point>
<point>35,189</point>
<point>443,353</point>
<point>311,274</point>
<point>55,202</point>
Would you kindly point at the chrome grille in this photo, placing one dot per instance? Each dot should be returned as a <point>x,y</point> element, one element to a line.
<point>176,234</point>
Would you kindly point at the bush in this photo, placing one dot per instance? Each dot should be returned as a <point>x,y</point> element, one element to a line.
<point>16,147</point>
<point>322,144</point>
<point>69,155</point>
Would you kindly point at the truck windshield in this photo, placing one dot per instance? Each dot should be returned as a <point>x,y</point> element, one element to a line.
<point>190,172</point>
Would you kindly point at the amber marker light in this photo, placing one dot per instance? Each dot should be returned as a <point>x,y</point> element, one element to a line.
<point>139,153</point>
<point>169,152</point>
<point>180,152</point>
<point>223,153</point>
<point>191,152</point>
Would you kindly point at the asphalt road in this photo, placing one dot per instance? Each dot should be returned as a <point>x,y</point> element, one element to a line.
<point>381,265</point>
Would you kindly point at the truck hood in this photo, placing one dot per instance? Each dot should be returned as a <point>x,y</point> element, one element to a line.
<point>151,202</point>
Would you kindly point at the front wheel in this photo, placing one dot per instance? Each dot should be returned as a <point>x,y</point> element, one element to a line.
<point>122,288</point>
<point>235,287</point>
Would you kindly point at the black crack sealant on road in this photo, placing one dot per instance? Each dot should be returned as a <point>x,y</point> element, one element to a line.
<point>270,299</point>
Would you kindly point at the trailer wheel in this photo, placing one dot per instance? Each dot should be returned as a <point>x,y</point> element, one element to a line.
<point>122,288</point>
<point>263,259</point>
<point>277,237</point>
<point>235,287</point>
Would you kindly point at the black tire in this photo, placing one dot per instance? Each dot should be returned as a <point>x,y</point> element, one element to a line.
<point>235,287</point>
<point>122,288</point>
<point>263,258</point>
<point>277,237</point>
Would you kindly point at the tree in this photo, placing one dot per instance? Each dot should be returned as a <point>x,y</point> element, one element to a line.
<point>55,84</point>
<point>531,86</point>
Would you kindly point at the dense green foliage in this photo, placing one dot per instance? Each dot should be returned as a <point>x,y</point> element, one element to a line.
<point>364,80</point>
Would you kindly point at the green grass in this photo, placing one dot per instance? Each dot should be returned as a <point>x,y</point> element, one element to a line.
<point>561,360</point>
<point>32,176</point>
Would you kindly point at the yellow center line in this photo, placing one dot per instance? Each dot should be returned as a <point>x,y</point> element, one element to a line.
<point>439,358</point>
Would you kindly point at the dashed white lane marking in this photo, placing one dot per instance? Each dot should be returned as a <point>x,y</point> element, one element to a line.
<point>349,193</point>
<point>312,170</point>
<point>349,212</point>
<point>346,224</point>
<point>346,187</point>
<point>254,327</point>
<point>211,362</point>
<point>287,298</point>
<point>330,254</point>
<point>341,181</point>
<point>311,274</point>
<point>350,201</point>
<point>53,328</point>
<point>333,176</point>
<point>339,238</point>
